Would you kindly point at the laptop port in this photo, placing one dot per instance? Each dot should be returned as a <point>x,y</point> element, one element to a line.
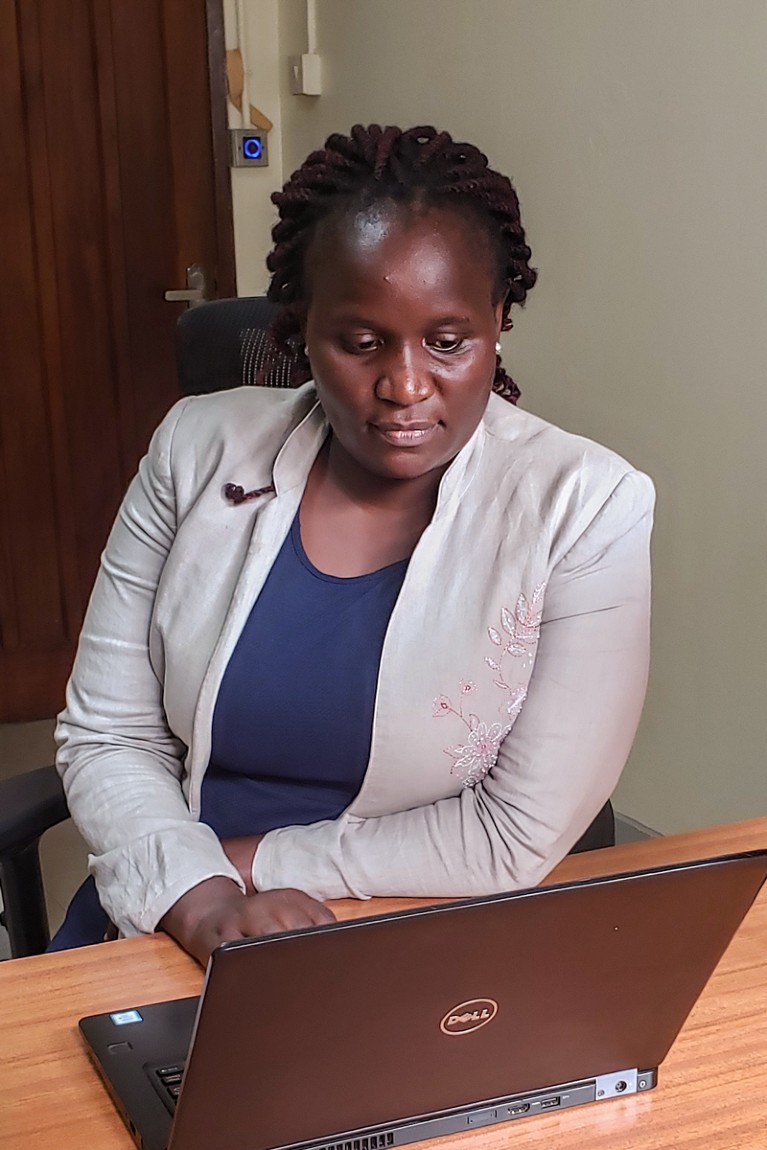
<point>520,1108</point>
<point>550,1103</point>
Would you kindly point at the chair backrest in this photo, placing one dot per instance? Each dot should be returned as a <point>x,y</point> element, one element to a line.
<point>226,343</point>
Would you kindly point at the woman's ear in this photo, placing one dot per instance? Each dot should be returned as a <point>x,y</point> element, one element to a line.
<point>301,313</point>
<point>498,314</point>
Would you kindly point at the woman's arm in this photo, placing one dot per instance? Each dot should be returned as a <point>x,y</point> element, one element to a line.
<point>120,764</point>
<point>556,768</point>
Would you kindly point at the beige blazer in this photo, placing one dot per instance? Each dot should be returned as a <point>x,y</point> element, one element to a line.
<point>510,687</point>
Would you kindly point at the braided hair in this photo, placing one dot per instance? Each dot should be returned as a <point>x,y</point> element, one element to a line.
<point>418,167</point>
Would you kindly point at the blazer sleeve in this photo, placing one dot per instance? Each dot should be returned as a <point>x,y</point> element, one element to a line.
<point>120,764</point>
<point>556,768</point>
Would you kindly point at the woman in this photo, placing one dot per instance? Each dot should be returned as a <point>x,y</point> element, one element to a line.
<point>382,635</point>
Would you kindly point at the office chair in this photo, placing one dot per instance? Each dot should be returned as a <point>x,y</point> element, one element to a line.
<point>219,345</point>
<point>226,343</point>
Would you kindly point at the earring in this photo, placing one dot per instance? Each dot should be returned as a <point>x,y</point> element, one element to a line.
<point>498,348</point>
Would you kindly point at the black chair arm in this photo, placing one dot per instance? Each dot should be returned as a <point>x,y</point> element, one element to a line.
<point>30,804</point>
<point>600,834</point>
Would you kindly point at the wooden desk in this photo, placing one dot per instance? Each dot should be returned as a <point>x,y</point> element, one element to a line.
<point>713,1085</point>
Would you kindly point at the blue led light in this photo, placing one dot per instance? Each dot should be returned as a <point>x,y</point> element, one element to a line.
<point>252,148</point>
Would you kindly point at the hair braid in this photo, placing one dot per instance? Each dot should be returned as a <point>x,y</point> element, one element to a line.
<point>418,166</point>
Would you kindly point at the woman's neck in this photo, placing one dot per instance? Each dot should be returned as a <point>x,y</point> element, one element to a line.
<point>339,470</point>
<point>354,522</point>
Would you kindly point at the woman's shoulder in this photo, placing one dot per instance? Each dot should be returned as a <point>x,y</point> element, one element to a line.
<point>562,478</point>
<point>242,422</point>
<point>245,410</point>
<point>547,452</point>
<point>242,431</point>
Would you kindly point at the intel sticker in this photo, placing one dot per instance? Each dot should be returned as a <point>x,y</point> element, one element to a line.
<point>123,1017</point>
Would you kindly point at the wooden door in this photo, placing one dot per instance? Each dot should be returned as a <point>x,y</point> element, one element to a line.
<point>113,180</point>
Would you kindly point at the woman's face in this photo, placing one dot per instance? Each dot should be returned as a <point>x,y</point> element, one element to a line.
<point>400,331</point>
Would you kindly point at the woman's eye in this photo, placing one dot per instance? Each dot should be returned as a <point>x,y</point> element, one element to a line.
<point>359,344</point>
<point>447,343</point>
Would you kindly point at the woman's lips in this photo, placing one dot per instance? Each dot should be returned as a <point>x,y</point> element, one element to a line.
<point>409,435</point>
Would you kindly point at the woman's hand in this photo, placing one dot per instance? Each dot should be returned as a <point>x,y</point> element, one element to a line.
<point>241,852</point>
<point>217,911</point>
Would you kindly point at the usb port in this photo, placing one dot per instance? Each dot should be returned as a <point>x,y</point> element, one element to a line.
<point>550,1103</point>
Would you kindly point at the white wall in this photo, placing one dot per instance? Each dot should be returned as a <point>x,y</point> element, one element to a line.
<point>635,133</point>
<point>253,211</point>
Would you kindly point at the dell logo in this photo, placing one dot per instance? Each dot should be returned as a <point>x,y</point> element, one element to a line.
<point>469,1016</point>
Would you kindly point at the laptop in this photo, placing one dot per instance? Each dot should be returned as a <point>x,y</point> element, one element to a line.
<point>373,1033</point>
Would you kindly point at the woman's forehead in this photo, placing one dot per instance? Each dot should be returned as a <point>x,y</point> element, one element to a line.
<point>387,244</point>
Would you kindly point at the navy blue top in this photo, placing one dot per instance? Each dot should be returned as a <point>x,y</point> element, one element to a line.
<point>294,716</point>
<point>293,720</point>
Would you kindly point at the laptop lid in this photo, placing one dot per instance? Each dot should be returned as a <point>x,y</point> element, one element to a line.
<point>399,1027</point>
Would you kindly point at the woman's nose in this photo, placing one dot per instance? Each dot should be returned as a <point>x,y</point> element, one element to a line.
<point>404,379</point>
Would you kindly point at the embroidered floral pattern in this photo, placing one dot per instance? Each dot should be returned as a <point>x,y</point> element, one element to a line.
<point>516,698</point>
<point>518,639</point>
<point>474,758</point>
<point>522,627</point>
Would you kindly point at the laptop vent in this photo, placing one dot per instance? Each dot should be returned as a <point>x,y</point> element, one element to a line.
<point>371,1142</point>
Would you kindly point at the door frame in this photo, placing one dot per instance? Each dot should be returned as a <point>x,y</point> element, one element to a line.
<point>227,281</point>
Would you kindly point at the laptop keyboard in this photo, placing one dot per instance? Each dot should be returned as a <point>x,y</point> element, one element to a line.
<point>168,1078</point>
